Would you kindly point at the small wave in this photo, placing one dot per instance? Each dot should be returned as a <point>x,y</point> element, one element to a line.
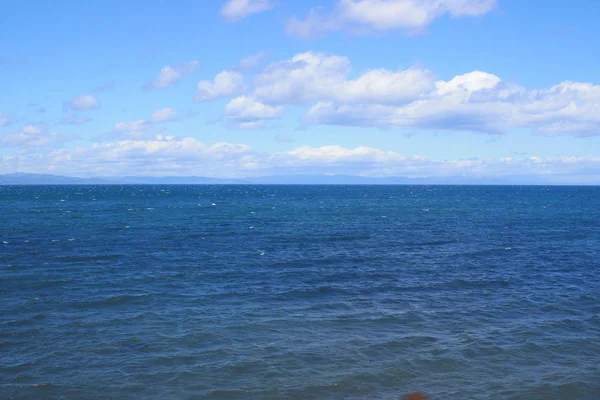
<point>306,292</point>
<point>471,284</point>
<point>101,257</point>
<point>431,243</point>
<point>116,299</point>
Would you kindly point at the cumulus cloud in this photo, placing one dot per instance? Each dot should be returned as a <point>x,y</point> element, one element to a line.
<point>411,16</point>
<point>82,103</point>
<point>171,74</point>
<point>34,136</point>
<point>235,10</point>
<point>412,98</point>
<point>4,119</point>
<point>226,83</point>
<point>481,103</point>
<point>315,76</point>
<point>249,113</point>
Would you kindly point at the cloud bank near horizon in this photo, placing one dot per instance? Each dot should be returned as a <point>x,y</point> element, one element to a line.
<point>186,156</point>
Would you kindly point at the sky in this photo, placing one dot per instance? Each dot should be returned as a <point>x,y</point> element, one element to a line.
<point>243,88</point>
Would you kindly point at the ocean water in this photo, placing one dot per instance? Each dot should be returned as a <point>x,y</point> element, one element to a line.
<point>299,292</point>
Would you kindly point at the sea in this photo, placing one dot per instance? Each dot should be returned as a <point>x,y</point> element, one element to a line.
<point>299,292</point>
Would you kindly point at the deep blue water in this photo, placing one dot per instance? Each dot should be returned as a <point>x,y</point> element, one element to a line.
<point>299,292</point>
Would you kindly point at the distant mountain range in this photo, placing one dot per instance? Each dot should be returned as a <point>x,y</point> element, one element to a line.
<point>48,179</point>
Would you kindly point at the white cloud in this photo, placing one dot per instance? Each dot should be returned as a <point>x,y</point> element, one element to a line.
<point>34,136</point>
<point>481,103</point>
<point>142,129</point>
<point>235,10</point>
<point>167,155</point>
<point>411,16</point>
<point>164,115</point>
<point>226,83</point>
<point>171,74</point>
<point>412,98</point>
<point>161,155</point>
<point>134,128</point>
<point>4,119</point>
<point>249,113</point>
<point>316,76</point>
<point>336,154</point>
<point>82,103</point>
<point>468,83</point>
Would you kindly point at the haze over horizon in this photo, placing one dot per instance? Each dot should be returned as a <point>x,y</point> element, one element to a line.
<point>252,88</point>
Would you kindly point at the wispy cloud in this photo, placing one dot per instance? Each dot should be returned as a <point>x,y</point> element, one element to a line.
<point>171,74</point>
<point>144,128</point>
<point>411,16</point>
<point>105,87</point>
<point>35,136</point>
<point>4,119</point>
<point>75,119</point>
<point>164,115</point>
<point>284,139</point>
<point>250,62</point>
<point>235,10</point>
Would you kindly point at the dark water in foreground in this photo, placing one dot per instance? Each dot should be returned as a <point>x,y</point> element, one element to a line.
<point>299,292</point>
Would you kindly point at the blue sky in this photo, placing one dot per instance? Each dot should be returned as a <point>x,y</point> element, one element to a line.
<point>481,88</point>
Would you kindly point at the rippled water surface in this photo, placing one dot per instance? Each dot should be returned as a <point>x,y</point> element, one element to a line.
<point>299,292</point>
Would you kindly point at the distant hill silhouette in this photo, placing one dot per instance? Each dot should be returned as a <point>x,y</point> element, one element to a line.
<point>49,179</point>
